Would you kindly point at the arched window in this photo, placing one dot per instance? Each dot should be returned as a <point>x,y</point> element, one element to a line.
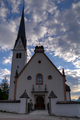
<point>17,55</point>
<point>39,80</point>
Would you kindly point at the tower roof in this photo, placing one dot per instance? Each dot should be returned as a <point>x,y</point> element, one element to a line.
<point>24,95</point>
<point>21,32</point>
<point>52,95</point>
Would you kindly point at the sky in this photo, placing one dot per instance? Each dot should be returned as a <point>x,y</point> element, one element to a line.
<point>55,23</point>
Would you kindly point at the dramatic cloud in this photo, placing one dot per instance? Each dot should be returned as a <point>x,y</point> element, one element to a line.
<point>59,31</point>
<point>73,80</point>
<point>8,33</point>
<point>4,73</point>
<point>3,10</point>
<point>7,60</point>
<point>28,54</point>
<point>15,5</point>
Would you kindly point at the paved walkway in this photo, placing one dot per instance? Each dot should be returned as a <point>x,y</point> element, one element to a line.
<point>35,115</point>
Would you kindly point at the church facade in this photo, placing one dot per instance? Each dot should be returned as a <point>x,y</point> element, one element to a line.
<point>38,77</point>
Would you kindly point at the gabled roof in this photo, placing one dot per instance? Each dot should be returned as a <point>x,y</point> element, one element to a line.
<point>21,32</point>
<point>53,64</point>
<point>31,60</point>
<point>52,95</point>
<point>24,95</point>
<point>26,65</point>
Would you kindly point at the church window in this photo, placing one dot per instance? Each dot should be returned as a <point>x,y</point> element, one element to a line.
<point>49,77</point>
<point>39,79</point>
<point>29,77</point>
<point>17,55</point>
<point>39,61</point>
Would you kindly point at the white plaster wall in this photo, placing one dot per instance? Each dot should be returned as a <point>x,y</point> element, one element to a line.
<point>64,109</point>
<point>16,62</point>
<point>67,96</point>
<point>45,68</point>
<point>23,105</point>
<point>10,107</point>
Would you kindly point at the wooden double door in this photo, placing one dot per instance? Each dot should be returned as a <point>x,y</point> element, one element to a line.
<point>40,103</point>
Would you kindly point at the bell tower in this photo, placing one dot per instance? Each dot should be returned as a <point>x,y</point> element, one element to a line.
<point>19,55</point>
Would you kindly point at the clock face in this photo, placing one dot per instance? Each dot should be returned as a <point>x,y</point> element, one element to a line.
<point>19,46</point>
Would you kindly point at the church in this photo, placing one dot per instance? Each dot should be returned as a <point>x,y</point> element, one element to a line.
<point>36,78</point>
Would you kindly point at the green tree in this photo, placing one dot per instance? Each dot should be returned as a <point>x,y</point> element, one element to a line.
<point>4,90</point>
<point>4,85</point>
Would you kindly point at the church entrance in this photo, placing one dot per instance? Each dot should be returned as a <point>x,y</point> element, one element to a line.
<point>40,103</point>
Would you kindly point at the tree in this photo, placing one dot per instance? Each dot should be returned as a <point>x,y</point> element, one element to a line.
<point>4,85</point>
<point>4,90</point>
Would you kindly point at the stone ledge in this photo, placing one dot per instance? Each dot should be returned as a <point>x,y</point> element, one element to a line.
<point>39,91</point>
<point>9,101</point>
<point>68,102</point>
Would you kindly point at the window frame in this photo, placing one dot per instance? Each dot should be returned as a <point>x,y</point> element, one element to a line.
<point>18,55</point>
<point>50,76</point>
<point>29,76</point>
<point>42,79</point>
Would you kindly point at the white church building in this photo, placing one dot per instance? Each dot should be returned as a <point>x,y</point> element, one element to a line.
<point>38,77</point>
<point>37,82</point>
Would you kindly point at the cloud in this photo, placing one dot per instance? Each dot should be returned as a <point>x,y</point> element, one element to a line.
<point>29,54</point>
<point>76,7</point>
<point>4,73</point>
<point>58,30</point>
<point>3,11</point>
<point>8,33</point>
<point>60,67</point>
<point>15,5</point>
<point>7,60</point>
<point>73,80</point>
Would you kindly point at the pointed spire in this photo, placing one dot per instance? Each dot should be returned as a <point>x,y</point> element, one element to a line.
<point>63,72</point>
<point>21,32</point>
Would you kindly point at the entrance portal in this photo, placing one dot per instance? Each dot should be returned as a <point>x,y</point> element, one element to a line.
<point>40,103</point>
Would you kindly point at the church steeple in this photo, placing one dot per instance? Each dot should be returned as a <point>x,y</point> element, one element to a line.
<point>19,55</point>
<point>21,32</point>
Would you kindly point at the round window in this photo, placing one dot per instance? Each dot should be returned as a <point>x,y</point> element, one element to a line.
<point>29,77</point>
<point>39,61</point>
<point>49,77</point>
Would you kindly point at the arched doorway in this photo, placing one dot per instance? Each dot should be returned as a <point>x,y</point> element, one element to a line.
<point>40,103</point>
